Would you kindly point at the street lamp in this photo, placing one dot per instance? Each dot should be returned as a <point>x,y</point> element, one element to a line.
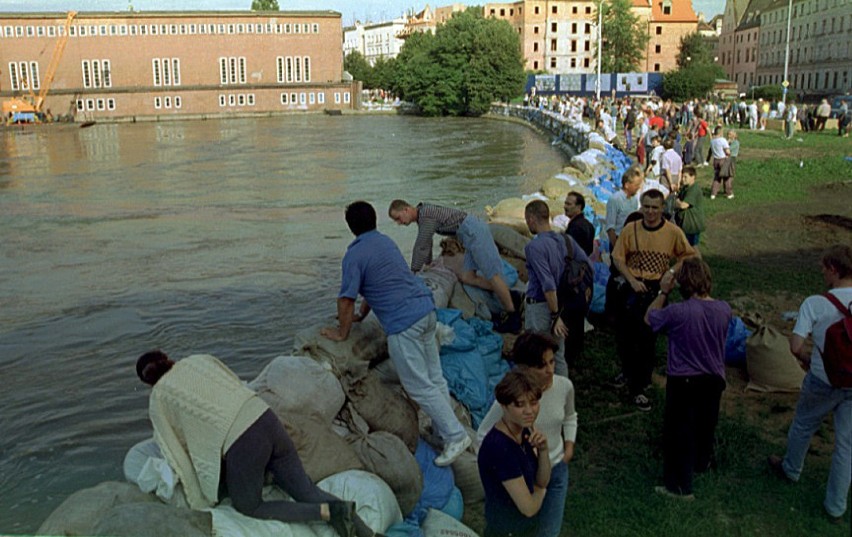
<point>786,83</point>
<point>600,42</point>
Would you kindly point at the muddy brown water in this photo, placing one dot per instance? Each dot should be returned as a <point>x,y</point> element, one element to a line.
<point>222,237</point>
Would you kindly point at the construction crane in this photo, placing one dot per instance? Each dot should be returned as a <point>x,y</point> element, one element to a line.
<point>32,107</point>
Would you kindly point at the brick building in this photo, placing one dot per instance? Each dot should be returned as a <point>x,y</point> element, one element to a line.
<point>560,36</point>
<point>137,64</point>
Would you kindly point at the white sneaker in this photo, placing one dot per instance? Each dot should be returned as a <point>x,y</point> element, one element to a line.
<point>730,196</point>
<point>453,451</point>
<point>712,197</point>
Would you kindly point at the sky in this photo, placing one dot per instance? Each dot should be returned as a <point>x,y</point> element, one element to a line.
<point>363,10</point>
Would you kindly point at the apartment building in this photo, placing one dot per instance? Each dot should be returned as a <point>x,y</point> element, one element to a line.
<point>560,36</point>
<point>375,40</point>
<point>133,64</point>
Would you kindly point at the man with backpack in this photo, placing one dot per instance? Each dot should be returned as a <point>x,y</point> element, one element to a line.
<point>827,387</point>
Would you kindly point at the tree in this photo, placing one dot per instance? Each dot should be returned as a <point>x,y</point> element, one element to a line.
<point>356,65</point>
<point>469,62</point>
<point>625,38</point>
<point>696,73</point>
<point>694,50</point>
<point>264,5</point>
<point>382,74</point>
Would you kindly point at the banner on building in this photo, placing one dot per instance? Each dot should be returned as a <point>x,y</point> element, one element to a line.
<point>545,83</point>
<point>631,82</point>
<point>571,83</point>
<point>605,82</point>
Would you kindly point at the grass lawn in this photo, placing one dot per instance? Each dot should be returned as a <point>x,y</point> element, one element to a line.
<point>764,249</point>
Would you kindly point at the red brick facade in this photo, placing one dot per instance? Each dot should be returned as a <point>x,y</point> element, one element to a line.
<point>128,65</point>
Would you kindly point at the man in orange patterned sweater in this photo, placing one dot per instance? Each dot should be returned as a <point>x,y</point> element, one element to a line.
<point>643,253</point>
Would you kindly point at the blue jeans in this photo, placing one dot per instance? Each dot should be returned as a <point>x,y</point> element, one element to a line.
<point>480,252</point>
<point>414,353</point>
<point>816,400</point>
<point>537,319</point>
<point>553,508</point>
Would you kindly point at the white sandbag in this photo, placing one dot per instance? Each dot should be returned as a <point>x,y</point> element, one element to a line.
<point>438,524</point>
<point>367,341</point>
<point>79,513</point>
<point>145,466</point>
<point>153,520</point>
<point>376,503</point>
<point>466,474</point>
<point>290,384</point>
<point>509,240</point>
<point>382,408</point>
<point>570,179</point>
<point>387,456</point>
<point>228,522</point>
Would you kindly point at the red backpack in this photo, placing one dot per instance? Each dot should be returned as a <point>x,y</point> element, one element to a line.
<point>837,350</point>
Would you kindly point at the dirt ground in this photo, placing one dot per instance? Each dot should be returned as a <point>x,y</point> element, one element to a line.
<point>789,233</point>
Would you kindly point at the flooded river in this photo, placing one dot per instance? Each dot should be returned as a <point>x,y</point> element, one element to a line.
<point>223,237</point>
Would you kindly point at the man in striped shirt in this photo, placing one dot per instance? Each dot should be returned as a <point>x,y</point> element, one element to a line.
<point>480,251</point>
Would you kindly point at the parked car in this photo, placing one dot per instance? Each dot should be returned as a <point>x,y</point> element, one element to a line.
<point>837,102</point>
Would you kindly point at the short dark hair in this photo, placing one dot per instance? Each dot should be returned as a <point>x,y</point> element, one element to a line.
<point>517,385</point>
<point>579,198</point>
<point>530,347</point>
<point>694,277</point>
<point>689,170</point>
<point>839,258</point>
<point>653,194</point>
<point>538,209</point>
<point>631,174</point>
<point>360,217</point>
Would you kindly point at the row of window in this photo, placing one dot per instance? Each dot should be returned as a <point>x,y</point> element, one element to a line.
<point>554,28</point>
<point>168,101</point>
<point>101,104</point>
<point>587,45</point>
<point>24,76</point>
<point>92,30</point>
<point>96,74</point>
<point>830,80</point>
<point>572,62</point>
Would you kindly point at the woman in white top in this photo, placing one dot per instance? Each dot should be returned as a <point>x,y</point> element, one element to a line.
<point>557,419</point>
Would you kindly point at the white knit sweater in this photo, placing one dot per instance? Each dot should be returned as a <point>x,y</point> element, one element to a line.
<point>198,409</point>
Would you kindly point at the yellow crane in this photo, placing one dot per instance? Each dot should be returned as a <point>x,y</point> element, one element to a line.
<point>34,104</point>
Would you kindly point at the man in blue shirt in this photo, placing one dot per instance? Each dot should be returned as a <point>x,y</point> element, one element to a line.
<point>374,268</point>
<point>545,263</point>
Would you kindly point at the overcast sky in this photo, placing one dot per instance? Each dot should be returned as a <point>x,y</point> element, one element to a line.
<point>363,10</point>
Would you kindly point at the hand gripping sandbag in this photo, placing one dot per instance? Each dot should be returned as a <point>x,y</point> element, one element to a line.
<point>771,365</point>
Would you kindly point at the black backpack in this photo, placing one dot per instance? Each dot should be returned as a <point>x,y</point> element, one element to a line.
<point>574,292</point>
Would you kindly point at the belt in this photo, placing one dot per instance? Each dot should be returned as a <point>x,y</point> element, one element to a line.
<point>531,300</point>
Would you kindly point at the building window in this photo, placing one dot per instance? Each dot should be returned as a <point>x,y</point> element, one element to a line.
<point>241,99</point>
<point>336,98</point>
<point>321,97</point>
<point>573,27</point>
<point>103,29</point>
<point>346,98</point>
<point>667,7</point>
<point>250,99</point>
<point>81,106</point>
<point>535,46</point>
<point>182,29</point>
<point>13,75</point>
<point>658,48</point>
<point>90,104</point>
<point>284,98</point>
<point>303,98</point>
<point>536,10</point>
<point>87,80</point>
<point>222,101</point>
<point>232,100</point>
<point>553,10</point>
<point>658,30</point>
<point>535,65</point>
<point>588,28</point>
<point>553,27</point>
<point>101,105</point>
<point>588,10</point>
<point>535,29</point>
<point>316,28</point>
<point>573,63</point>
<point>167,102</point>
<point>155,67</point>
<point>586,63</point>
<point>312,98</point>
<point>40,30</point>
<point>292,98</point>
<point>573,45</point>
<point>553,45</point>
<point>110,104</point>
<point>587,46</point>
<point>158,103</point>
<point>553,63</point>
<point>656,67</point>
<point>232,70</point>
<point>177,101</point>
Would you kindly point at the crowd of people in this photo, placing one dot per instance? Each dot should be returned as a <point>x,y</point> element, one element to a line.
<point>212,428</point>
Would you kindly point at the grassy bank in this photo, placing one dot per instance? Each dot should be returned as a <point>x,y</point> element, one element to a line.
<point>763,247</point>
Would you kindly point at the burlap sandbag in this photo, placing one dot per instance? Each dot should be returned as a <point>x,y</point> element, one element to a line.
<point>367,341</point>
<point>387,456</point>
<point>382,408</point>
<point>153,520</point>
<point>509,240</point>
<point>771,365</point>
<point>507,208</point>
<point>290,384</point>
<point>466,474</point>
<point>79,513</point>
<point>322,451</point>
<point>519,225</point>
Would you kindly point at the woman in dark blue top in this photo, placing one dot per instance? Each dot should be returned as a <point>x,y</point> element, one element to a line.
<point>513,460</point>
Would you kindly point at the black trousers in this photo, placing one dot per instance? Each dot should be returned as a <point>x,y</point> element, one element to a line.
<point>689,428</point>
<point>635,342</point>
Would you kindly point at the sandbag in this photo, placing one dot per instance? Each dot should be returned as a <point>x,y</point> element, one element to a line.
<point>382,408</point>
<point>153,520</point>
<point>437,484</point>
<point>556,188</point>
<point>509,240</point>
<point>322,451</point>
<point>438,524</point>
<point>146,466</point>
<point>79,513</point>
<point>440,279</point>
<point>735,343</point>
<point>367,341</point>
<point>387,456</point>
<point>771,365</point>
<point>467,479</point>
<point>290,384</point>
<point>460,300</point>
<point>519,225</point>
<point>507,208</point>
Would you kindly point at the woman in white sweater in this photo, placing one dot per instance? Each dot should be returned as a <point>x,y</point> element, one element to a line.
<point>557,419</point>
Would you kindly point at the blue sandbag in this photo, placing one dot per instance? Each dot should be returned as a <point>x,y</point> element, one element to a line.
<point>455,505</point>
<point>466,379</point>
<point>598,299</point>
<point>404,529</point>
<point>510,273</point>
<point>438,484</point>
<point>601,273</point>
<point>735,344</point>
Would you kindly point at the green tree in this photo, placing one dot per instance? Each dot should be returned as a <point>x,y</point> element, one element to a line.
<point>624,36</point>
<point>697,71</point>
<point>357,66</point>
<point>264,5</point>
<point>694,50</point>
<point>383,73</point>
<point>469,62</point>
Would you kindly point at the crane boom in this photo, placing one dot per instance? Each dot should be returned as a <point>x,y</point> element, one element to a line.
<point>54,62</point>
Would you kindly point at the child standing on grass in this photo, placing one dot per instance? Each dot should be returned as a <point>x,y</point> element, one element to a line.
<point>690,209</point>
<point>688,148</point>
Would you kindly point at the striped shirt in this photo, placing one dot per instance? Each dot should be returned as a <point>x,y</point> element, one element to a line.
<point>433,219</point>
